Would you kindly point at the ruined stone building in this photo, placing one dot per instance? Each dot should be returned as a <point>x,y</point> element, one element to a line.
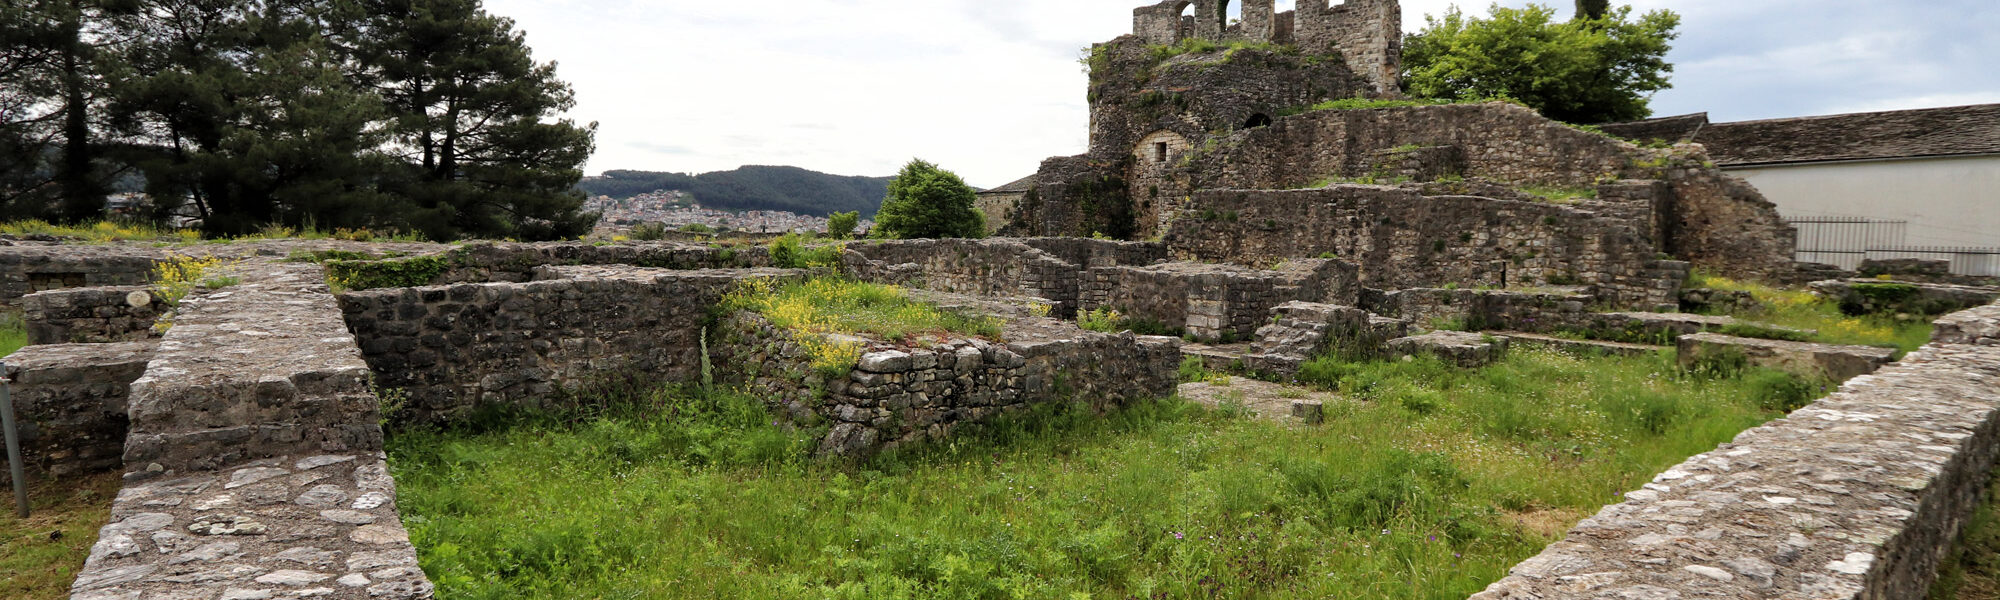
<point>1882,185</point>
<point>1237,143</point>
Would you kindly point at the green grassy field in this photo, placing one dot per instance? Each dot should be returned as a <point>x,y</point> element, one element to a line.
<point>1803,310</point>
<point>39,557</point>
<point>1430,485</point>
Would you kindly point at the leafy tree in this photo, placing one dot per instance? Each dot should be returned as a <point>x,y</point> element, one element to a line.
<point>1580,71</point>
<point>927,202</point>
<point>842,225</point>
<point>1593,9</point>
<point>474,117</point>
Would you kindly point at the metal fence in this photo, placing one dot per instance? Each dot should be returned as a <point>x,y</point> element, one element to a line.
<point>1847,241</point>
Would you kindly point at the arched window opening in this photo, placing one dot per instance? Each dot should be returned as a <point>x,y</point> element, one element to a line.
<point>1257,120</point>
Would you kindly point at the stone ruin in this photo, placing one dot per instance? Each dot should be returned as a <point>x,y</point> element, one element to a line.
<point>250,430</point>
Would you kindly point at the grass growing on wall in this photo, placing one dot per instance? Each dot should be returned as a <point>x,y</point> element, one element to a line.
<point>1431,488</point>
<point>1804,310</point>
<point>13,333</point>
<point>101,231</point>
<point>1972,570</point>
<point>839,305</point>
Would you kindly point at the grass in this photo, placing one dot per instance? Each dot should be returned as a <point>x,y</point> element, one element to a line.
<point>1972,571</point>
<point>1432,488</point>
<point>839,305</point>
<point>1561,195</point>
<point>101,231</point>
<point>1110,320</point>
<point>13,333</point>
<point>39,557</point>
<point>1803,310</point>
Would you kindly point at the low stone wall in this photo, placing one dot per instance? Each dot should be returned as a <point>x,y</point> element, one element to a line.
<point>1216,302</point>
<point>488,262</point>
<point>1875,296</point>
<point>261,369</point>
<point>1858,496</point>
<point>70,401</point>
<point>1534,312</point>
<point>1824,361</point>
<point>1402,239</point>
<point>92,315</point>
<point>1301,331</point>
<point>1089,253</point>
<point>454,350</point>
<point>901,395</point>
<point>1922,270</point>
<point>990,267</point>
<point>28,269</point>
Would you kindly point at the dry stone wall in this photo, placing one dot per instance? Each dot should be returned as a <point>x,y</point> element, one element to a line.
<point>261,369</point>
<point>92,315</point>
<point>1216,302</point>
<point>70,400</point>
<point>28,269</point>
<point>901,395</point>
<point>456,350</point>
<point>1049,269</point>
<point>1858,496</point>
<point>1402,239</point>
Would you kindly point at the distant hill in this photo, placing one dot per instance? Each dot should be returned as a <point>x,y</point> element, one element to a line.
<point>753,188</point>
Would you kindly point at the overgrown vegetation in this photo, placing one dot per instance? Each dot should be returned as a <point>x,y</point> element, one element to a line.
<point>1972,571</point>
<point>790,251</point>
<point>1110,320</point>
<point>345,275</point>
<point>1804,310</point>
<point>40,556</point>
<point>179,275</point>
<point>816,308</point>
<point>1585,70</point>
<point>13,333</point>
<point>1431,487</point>
<point>100,231</point>
<point>1195,45</point>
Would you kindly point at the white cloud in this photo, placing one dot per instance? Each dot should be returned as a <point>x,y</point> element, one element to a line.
<point>990,88</point>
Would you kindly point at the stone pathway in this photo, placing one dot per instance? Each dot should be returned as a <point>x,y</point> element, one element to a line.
<point>1265,400</point>
<point>293,527</point>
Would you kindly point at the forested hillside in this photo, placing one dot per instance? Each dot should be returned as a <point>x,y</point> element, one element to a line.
<point>753,188</point>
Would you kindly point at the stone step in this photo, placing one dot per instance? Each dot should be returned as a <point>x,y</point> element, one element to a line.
<point>1653,326</point>
<point>1264,400</point>
<point>1468,350</point>
<point>1583,347</point>
<point>1836,363</point>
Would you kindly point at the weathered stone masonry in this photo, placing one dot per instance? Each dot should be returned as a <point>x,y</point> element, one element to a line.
<point>70,400</point>
<point>1858,496</point>
<point>92,315</point>
<point>455,349</point>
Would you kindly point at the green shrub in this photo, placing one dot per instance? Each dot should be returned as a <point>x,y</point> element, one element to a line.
<point>417,271</point>
<point>791,252</point>
<point>649,232</point>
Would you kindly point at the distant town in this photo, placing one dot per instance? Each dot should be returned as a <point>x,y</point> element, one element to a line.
<point>678,209</point>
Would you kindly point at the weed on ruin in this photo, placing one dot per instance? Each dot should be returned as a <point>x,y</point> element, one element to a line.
<point>1431,484</point>
<point>836,305</point>
<point>1802,310</point>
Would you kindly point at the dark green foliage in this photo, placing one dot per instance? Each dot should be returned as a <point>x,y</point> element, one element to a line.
<point>649,232</point>
<point>1867,298</point>
<point>790,251</point>
<point>790,189</point>
<point>927,202</point>
<point>1580,71</point>
<point>1592,10</point>
<point>368,275</point>
<point>842,225</point>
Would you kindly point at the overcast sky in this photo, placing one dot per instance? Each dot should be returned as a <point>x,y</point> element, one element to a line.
<point>989,88</point>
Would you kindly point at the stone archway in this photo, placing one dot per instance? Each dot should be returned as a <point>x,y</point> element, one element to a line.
<point>1257,120</point>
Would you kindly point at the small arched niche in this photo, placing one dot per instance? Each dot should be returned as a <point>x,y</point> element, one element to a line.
<point>1257,120</point>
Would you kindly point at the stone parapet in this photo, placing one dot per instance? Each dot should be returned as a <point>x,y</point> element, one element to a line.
<point>71,403</point>
<point>92,315</point>
<point>1214,301</point>
<point>260,369</point>
<point>1858,496</point>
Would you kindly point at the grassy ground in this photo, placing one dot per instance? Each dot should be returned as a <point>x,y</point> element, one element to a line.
<point>1803,310</point>
<point>39,557</point>
<point>13,333</point>
<point>1431,488</point>
<point>1972,572</point>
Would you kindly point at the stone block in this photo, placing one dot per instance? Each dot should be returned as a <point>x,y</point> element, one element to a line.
<point>1832,362</point>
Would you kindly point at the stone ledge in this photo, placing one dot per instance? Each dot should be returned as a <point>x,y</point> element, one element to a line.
<point>1857,496</point>
<point>71,400</point>
<point>1835,363</point>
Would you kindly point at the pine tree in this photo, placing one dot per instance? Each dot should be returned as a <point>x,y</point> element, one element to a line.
<point>48,100</point>
<point>476,117</point>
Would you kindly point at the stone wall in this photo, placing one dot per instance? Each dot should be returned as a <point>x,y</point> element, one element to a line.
<point>1216,302</point>
<point>70,401</point>
<point>459,349</point>
<point>902,395</point>
<point>1366,33</point>
<point>1533,312</point>
<point>1046,268</point>
<point>1858,496</point>
<point>261,369</point>
<point>1402,239</point>
<point>92,315</point>
<point>28,269</point>
<point>1875,296</point>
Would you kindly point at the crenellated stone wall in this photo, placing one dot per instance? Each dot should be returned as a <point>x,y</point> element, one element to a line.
<point>898,395</point>
<point>70,400</point>
<point>1366,33</point>
<point>92,315</point>
<point>459,349</point>
<point>1400,238</point>
<point>1858,496</point>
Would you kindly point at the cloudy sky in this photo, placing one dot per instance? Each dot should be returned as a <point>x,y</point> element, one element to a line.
<point>989,87</point>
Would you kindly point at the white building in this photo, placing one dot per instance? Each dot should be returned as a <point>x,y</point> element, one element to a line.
<point>1900,184</point>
